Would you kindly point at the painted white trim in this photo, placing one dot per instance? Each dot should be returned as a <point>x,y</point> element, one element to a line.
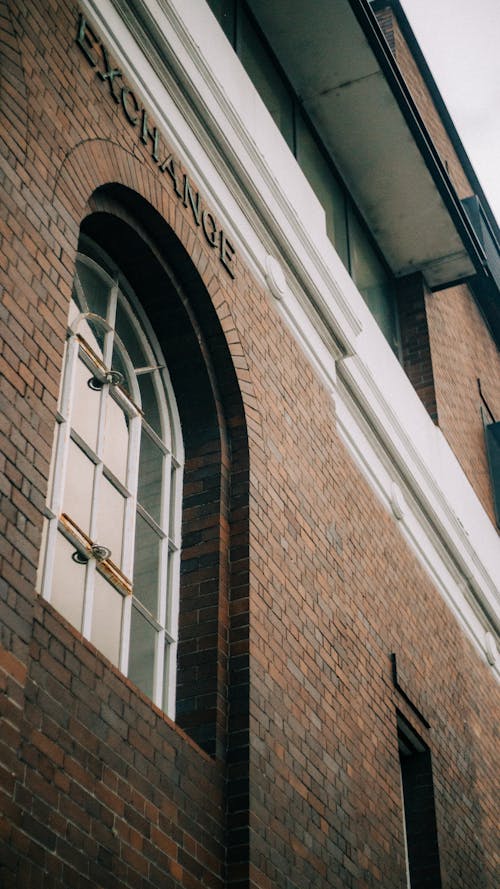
<point>432,546</point>
<point>175,54</point>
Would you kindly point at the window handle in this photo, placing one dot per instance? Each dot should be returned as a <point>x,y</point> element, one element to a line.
<point>113,377</point>
<point>99,552</point>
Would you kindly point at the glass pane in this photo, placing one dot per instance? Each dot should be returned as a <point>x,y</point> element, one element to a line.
<point>172,605</point>
<point>128,335</point>
<point>116,438</point>
<point>146,564</point>
<point>110,517</point>
<point>93,334</point>
<point>224,12</point>
<point>78,488</point>
<point>267,78</point>
<point>142,652</point>
<point>366,267</point>
<point>150,476</point>
<point>96,290</point>
<point>106,618</point>
<point>139,358</point>
<point>372,280</point>
<point>149,401</point>
<point>169,678</point>
<point>380,300</point>
<point>68,582</point>
<point>75,307</point>
<point>322,179</point>
<point>117,363</point>
<point>86,403</point>
<point>173,505</point>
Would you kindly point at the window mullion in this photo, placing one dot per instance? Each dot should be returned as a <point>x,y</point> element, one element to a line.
<point>169,679</point>
<point>88,599</point>
<point>176,506</point>
<point>67,391</point>
<point>159,668</point>
<point>172,615</point>
<point>56,495</point>
<point>60,458</point>
<point>64,428</point>
<point>130,510</point>
<point>129,536</point>
<point>113,300</point>
<point>165,504</point>
<point>48,564</point>
<point>163,581</point>
<point>81,293</point>
<point>108,349</point>
<point>125,635</point>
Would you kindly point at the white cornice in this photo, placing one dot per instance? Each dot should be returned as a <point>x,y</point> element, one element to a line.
<point>176,56</point>
<point>418,472</point>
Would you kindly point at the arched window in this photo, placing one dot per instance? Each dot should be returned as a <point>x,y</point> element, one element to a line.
<point>111,552</point>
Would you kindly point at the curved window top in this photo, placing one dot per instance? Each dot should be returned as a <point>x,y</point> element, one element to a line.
<point>112,538</point>
<point>106,315</point>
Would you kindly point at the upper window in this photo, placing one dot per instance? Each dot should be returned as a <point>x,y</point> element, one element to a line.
<point>345,228</point>
<point>112,535</point>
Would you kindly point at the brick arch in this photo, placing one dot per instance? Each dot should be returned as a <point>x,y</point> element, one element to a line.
<point>13,90</point>
<point>95,163</point>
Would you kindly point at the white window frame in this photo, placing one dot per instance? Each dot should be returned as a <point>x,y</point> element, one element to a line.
<point>166,526</point>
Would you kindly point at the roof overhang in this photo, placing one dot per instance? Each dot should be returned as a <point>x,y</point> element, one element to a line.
<point>342,70</point>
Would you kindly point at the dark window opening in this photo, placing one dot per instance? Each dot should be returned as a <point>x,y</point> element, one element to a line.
<point>492,433</point>
<point>422,855</point>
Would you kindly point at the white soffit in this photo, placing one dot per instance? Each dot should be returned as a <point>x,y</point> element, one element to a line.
<point>341,86</point>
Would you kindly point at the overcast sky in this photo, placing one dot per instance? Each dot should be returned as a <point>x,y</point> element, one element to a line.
<point>460,40</point>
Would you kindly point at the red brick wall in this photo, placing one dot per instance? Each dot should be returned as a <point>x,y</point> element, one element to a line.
<point>423,100</point>
<point>97,787</point>
<point>415,345</point>
<point>335,595</point>
<point>464,353</point>
<point>107,791</point>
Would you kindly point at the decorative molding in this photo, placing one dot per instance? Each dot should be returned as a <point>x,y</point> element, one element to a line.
<point>477,557</point>
<point>397,501</point>
<point>492,653</point>
<point>275,277</point>
<point>432,549</point>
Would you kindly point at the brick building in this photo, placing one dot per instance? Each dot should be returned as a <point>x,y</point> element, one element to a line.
<point>250,453</point>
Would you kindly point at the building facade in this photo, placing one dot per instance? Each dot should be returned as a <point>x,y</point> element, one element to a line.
<point>250,454</point>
